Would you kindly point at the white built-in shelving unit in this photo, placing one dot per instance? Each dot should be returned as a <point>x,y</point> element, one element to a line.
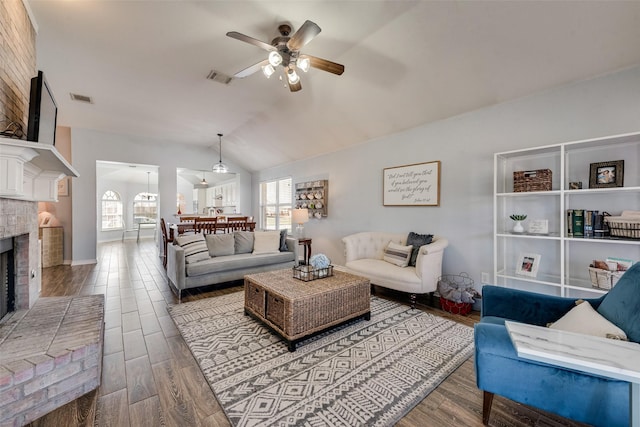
<point>564,260</point>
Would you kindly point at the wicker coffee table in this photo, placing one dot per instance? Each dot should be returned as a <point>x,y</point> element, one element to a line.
<point>295,309</point>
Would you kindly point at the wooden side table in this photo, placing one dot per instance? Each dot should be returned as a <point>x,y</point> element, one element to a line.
<point>306,243</point>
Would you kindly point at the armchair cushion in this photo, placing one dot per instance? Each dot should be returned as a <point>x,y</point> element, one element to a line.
<point>397,254</point>
<point>583,319</point>
<point>621,305</point>
<point>417,240</point>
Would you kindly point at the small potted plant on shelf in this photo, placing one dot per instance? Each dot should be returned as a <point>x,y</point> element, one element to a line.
<point>518,218</point>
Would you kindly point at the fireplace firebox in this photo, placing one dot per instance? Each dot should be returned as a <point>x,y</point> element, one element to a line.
<point>7,277</point>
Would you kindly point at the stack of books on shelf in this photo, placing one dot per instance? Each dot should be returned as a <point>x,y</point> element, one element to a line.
<point>586,223</point>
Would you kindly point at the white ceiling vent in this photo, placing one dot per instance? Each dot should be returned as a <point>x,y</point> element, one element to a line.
<point>219,77</point>
<point>81,98</point>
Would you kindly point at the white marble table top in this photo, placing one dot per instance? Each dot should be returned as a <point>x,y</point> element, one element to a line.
<point>600,356</point>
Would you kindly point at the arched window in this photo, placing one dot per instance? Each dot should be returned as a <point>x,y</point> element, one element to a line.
<point>145,208</point>
<point>111,211</point>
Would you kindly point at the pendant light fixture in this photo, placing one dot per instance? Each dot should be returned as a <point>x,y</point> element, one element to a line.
<point>203,183</point>
<point>220,167</point>
<point>148,194</point>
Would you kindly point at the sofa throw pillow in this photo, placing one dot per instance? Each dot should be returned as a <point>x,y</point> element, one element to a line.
<point>243,242</point>
<point>266,242</point>
<point>397,254</point>
<point>283,240</point>
<point>220,244</point>
<point>583,319</point>
<point>416,240</point>
<point>195,247</point>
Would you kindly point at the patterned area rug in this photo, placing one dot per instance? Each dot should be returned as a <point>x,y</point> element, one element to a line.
<point>364,373</point>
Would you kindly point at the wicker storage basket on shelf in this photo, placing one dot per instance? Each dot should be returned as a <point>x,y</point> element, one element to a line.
<point>626,225</point>
<point>535,180</point>
<point>604,279</point>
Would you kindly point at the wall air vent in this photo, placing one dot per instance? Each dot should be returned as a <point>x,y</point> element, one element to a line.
<point>81,98</point>
<point>219,77</point>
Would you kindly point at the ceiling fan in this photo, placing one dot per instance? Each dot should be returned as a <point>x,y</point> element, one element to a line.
<point>284,51</point>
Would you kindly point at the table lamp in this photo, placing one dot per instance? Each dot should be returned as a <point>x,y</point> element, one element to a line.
<point>300,216</point>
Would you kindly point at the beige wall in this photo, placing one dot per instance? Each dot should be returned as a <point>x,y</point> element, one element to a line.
<point>17,62</point>
<point>62,209</point>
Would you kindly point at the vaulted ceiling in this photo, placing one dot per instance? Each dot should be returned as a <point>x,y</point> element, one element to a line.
<point>145,63</point>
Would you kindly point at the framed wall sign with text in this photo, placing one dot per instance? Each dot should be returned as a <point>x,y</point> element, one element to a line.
<point>412,185</point>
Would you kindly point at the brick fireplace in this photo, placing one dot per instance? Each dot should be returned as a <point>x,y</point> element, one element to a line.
<point>50,348</point>
<point>19,221</point>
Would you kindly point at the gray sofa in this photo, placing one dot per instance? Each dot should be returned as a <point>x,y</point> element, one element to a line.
<point>212,270</point>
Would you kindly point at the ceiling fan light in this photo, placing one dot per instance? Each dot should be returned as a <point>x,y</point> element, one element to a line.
<point>268,70</point>
<point>293,76</point>
<point>275,58</point>
<point>303,64</point>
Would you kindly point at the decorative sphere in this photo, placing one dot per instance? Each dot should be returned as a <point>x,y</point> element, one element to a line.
<point>319,261</point>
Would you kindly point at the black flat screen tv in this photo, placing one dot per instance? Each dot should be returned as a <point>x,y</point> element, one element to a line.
<point>43,112</point>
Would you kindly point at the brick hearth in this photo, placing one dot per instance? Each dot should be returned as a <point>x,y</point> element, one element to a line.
<point>50,355</point>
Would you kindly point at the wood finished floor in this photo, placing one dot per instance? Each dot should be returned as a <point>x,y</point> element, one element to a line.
<point>150,378</point>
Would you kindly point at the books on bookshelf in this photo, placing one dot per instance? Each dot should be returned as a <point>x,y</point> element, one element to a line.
<point>586,223</point>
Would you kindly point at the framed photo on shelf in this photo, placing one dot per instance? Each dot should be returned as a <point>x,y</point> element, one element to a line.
<point>528,264</point>
<point>606,174</point>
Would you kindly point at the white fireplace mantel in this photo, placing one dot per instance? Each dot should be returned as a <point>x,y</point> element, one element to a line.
<point>31,171</point>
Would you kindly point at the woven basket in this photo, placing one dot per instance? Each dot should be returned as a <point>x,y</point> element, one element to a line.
<point>463,308</point>
<point>627,225</point>
<point>535,180</point>
<point>308,273</point>
<point>604,279</point>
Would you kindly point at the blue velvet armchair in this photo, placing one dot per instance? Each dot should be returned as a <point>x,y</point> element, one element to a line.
<point>587,398</point>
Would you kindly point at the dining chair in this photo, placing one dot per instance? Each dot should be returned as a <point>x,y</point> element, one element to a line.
<point>186,221</point>
<point>206,225</point>
<point>238,223</point>
<point>165,241</point>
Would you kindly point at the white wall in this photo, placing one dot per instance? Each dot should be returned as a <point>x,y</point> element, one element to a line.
<point>465,145</point>
<point>88,146</point>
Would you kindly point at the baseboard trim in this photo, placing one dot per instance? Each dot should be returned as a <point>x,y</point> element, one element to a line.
<point>84,262</point>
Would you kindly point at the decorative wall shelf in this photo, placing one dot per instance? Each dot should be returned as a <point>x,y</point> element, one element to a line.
<point>313,195</point>
<point>31,171</point>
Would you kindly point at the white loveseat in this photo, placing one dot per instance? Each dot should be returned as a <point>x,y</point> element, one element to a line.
<point>364,254</point>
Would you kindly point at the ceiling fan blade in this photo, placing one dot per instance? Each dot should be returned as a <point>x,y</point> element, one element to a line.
<point>243,38</point>
<point>304,35</point>
<point>294,87</point>
<point>250,70</point>
<point>325,65</point>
